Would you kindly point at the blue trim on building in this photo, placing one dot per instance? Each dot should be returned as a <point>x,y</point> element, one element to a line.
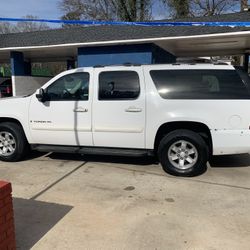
<point>18,66</point>
<point>17,63</point>
<point>120,54</point>
<point>102,55</point>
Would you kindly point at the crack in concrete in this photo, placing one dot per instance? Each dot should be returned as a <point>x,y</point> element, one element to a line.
<point>57,181</point>
<point>139,171</point>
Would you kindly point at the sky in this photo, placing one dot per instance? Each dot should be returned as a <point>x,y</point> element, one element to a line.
<point>47,9</point>
<point>19,8</point>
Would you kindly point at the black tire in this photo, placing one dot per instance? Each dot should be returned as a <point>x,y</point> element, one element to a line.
<point>21,143</point>
<point>191,137</point>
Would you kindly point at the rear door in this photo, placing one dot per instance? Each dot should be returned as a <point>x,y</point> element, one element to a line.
<point>119,107</point>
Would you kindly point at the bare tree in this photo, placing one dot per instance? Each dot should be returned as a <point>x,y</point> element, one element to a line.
<point>134,10</point>
<point>6,27</point>
<point>125,10</point>
<point>201,7</point>
<point>30,26</point>
<point>80,9</point>
<point>212,7</point>
<point>244,4</point>
<point>179,8</point>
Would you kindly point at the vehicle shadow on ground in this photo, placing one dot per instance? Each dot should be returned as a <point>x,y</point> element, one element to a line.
<point>33,154</point>
<point>225,161</point>
<point>230,161</point>
<point>33,219</point>
<point>105,158</point>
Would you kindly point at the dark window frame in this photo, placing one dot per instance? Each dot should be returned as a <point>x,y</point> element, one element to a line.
<point>119,99</point>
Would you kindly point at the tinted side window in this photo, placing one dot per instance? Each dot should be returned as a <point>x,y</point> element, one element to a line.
<point>243,74</point>
<point>199,84</point>
<point>118,85</point>
<point>70,87</point>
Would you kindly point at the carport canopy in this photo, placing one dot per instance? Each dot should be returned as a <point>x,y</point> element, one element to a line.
<point>181,41</point>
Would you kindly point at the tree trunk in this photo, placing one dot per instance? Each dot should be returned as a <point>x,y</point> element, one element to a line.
<point>244,4</point>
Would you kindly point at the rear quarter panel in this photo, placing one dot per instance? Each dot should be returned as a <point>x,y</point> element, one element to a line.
<point>228,120</point>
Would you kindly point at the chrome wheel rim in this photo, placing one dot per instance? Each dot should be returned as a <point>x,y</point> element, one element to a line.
<point>182,155</point>
<point>7,144</point>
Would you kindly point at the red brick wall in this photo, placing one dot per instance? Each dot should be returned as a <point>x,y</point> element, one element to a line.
<point>7,229</point>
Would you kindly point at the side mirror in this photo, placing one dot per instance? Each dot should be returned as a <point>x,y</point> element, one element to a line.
<point>41,96</point>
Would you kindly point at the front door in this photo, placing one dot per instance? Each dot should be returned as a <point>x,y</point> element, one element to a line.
<point>119,108</point>
<point>65,119</point>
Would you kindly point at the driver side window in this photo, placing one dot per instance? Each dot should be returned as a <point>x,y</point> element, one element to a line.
<point>71,87</point>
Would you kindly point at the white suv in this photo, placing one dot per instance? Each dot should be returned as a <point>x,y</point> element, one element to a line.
<point>180,113</point>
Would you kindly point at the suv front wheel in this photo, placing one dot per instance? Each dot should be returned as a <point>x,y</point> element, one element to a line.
<point>13,143</point>
<point>183,153</point>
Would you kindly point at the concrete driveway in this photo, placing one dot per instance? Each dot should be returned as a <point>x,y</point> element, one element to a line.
<point>75,202</point>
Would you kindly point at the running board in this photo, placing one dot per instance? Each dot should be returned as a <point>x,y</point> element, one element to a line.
<point>93,150</point>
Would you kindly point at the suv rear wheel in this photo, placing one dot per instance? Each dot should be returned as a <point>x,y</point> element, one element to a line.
<point>183,153</point>
<point>13,143</point>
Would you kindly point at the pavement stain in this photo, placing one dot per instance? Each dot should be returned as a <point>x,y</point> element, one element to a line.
<point>102,188</point>
<point>169,200</point>
<point>129,188</point>
<point>62,164</point>
<point>152,199</point>
<point>87,169</point>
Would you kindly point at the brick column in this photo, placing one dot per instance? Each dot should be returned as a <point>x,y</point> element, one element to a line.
<point>7,229</point>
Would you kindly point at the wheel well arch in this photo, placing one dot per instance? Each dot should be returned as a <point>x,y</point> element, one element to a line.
<point>198,127</point>
<point>8,119</point>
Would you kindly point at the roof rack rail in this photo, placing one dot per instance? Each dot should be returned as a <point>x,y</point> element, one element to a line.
<point>193,60</point>
<point>220,63</point>
<point>98,66</point>
<point>127,64</point>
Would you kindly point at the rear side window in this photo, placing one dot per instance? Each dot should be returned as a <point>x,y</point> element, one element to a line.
<point>119,85</point>
<point>199,84</point>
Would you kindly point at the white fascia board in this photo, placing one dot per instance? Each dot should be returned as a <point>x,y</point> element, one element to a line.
<point>219,35</point>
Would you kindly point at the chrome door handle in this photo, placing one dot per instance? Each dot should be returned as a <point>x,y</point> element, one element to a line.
<point>80,110</point>
<point>133,109</point>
